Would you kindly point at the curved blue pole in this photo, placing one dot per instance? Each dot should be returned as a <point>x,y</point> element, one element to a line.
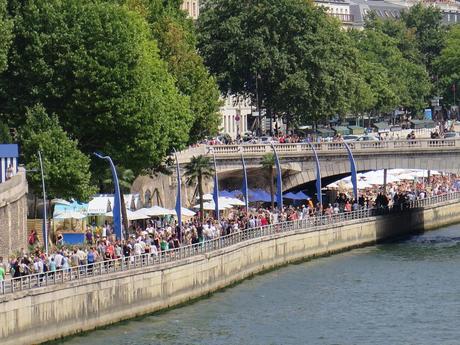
<point>179,194</point>
<point>216,189</point>
<point>279,181</point>
<point>244,188</point>
<point>353,171</point>
<point>117,199</point>
<point>318,176</point>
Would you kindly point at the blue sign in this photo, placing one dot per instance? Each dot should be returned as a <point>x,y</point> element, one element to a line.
<point>428,114</point>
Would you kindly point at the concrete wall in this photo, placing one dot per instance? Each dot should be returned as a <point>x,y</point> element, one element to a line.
<point>13,214</point>
<point>48,313</point>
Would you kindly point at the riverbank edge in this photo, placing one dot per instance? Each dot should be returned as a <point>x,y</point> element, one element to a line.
<point>51,313</point>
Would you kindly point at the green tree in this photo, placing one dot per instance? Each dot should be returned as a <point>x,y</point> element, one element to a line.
<point>448,65</point>
<point>426,23</point>
<point>176,37</point>
<point>268,164</point>
<point>66,168</point>
<point>395,80</point>
<point>94,64</point>
<point>5,35</point>
<point>5,136</point>
<point>299,55</point>
<point>198,169</point>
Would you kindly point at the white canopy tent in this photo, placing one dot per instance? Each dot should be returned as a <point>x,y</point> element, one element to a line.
<point>69,214</point>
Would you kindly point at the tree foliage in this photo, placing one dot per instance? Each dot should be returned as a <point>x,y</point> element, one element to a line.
<point>66,168</point>
<point>197,170</point>
<point>176,37</point>
<point>95,65</point>
<point>448,65</point>
<point>5,34</point>
<point>298,54</point>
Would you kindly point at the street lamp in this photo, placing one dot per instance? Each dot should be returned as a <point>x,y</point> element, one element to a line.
<point>45,218</point>
<point>117,198</point>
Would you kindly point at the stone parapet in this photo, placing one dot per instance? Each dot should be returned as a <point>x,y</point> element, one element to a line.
<point>48,313</point>
<point>13,214</point>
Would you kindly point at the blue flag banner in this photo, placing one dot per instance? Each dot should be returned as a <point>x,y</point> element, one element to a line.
<point>244,187</point>
<point>179,195</point>
<point>353,171</point>
<point>215,194</point>
<point>279,181</point>
<point>318,176</point>
<point>116,209</point>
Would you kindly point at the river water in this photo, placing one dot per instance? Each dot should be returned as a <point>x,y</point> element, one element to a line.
<point>405,292</point>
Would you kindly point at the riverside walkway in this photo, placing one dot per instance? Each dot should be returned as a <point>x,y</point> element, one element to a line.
<point>106,268</point>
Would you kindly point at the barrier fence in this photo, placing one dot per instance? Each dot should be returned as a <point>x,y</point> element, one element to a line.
<point>309,224</point>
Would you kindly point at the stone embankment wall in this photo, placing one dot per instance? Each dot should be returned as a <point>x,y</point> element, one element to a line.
<point>42,314</point>
<point>13,214</point>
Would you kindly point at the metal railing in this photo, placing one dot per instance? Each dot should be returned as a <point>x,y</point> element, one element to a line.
<point>309,224</point>
<point>425,145</point>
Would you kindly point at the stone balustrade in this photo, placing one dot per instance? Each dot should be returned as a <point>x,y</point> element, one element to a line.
<point>420,145</point>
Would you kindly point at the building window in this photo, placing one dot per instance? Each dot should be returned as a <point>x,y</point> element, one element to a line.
<point>194,9</point>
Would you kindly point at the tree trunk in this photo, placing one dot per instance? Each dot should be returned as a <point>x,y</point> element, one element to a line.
<point>200,193</point>
<point>272,188</point>
<point>124,216</point>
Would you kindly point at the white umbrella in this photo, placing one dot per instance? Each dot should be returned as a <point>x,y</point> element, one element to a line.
<point>186,212</point>
<point>206,197</point>
<point>68,214</point>
<point>210,206</point>
<point>132,215</point>
<point>232,201</point>
<point>157,211</point>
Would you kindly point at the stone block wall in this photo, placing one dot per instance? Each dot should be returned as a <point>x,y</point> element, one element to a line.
<point>13,215</point>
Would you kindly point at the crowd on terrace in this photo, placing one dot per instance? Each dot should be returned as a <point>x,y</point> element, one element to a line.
<point>157,236</point>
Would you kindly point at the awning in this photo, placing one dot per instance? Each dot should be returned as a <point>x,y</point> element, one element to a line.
<point>356,130</point>
<point>382,127</point>
<point>341,130</point>
<point>325,132</point>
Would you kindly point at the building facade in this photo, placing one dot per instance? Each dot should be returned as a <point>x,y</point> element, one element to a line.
<point>235,116</point>
<point>192,7</point>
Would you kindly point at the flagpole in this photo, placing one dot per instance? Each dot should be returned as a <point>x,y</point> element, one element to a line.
<point>353,171</point>
<point>117,198</point>
<point>245,183</point>
<point>318,177</point>
<point>178,196</point>
<point>216,188</point>
<point>279,181</point>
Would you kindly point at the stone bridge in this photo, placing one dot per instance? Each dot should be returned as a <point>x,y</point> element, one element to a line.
<point>298,163</point>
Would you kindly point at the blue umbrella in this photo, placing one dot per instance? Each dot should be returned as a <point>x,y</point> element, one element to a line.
<point>301,196</point>
<point>290,195</point>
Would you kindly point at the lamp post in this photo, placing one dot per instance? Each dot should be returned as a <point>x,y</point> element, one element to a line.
<point>117,198</point>
<point>45,218</point>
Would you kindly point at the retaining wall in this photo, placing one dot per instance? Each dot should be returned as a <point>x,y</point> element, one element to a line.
<point>13,214</point>
<point>42,314</point>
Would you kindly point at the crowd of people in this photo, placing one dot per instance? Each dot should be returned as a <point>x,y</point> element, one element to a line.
<point>157,236</point>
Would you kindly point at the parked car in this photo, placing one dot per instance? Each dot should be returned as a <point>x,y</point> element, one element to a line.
<point>367,137</point>
<point>451,135</point>
<point>350,137</point>
<point>267,140</point>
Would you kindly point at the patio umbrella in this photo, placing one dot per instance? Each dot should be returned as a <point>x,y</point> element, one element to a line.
<point>158,211</point>
<point>186,212</point>
<point>210,206</point>
<point>132,215</point>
